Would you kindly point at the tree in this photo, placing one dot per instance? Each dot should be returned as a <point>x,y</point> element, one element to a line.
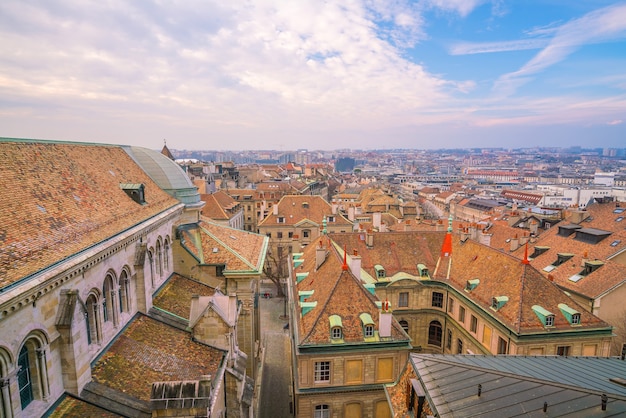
<point>272,270</point>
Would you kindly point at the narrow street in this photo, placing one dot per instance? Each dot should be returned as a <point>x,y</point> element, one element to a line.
<point>275,394</point>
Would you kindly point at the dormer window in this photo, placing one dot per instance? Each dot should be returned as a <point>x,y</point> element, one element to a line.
<point>336,327</point>
<point>590,267</point>
<point>538,251</point>
<point>546,317</point>
<point>572,315</point>
<point>134,191</point>
<point>368,325</point>
<point>471,284</point>
<point>280,220</point>
<point>498,301</point>
<point>380,271</point>
<point>562,258</point>
<point>305,205</point>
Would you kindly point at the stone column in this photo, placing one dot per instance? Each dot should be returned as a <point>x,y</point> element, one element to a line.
<point>6,397</point>
<point>43,372</point>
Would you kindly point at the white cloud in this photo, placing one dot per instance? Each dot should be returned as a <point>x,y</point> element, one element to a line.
<point>598,26</point>
<point>462,7</point>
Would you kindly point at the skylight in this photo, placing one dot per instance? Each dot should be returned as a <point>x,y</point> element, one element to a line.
<point>615,243</point>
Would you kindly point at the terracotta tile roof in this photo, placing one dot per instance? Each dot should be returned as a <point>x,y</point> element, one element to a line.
<point>500,274</point>
<point>213,209</point>
<point>150,351</point>
<point>610,274</point>
<point>294,209</point>
<point>212,243</point>
<point>503,275</point>
<point>60,198</point>
<point>397,252</point>
<point>71,407</point>
<point>337,292</point>
<point>175,295</point>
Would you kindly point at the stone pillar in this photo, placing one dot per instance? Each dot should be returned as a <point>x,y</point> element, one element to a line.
<point>6,397</point>
<point>43,372</point>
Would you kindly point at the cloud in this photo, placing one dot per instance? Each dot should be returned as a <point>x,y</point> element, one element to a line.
<point>461,7</point>
<point>601,25</point>
<point>615,122</point>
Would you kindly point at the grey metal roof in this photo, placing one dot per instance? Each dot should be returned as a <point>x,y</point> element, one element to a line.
<point>518,385</point>
<point>166,173</point>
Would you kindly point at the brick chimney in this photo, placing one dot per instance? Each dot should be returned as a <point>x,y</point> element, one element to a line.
<point>320,255</point>
<point>514,243</point>
<point>275,209</point>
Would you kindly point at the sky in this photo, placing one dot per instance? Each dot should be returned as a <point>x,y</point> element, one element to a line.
<point>315,74</point>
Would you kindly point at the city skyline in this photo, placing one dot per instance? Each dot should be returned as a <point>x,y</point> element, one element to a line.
<point>270,75</point>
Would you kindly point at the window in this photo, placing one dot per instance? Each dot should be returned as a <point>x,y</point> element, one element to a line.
<point>280,220</point>
<point>459,346</point>
<point>322,371</point>
<point>331,219</point>
<point>562,350</point>
<point>437,301</point>
<point>449,340</point>
<point>24,378</point>
<point>306,233</point>
<point>368,331</point>
<point>279,235</point>
<point>461,314</point>
<point>502,346</point>
<point>403,300</point>
<point>125,305</point>
<point>434,333</point>
<point>487,336</point>
<point>322,411</point>
<point>290,234</point>
<point>473,324</point>
<point>384,370</point>
<point>354,371</point>
<point>269,234</point>
<point>405,326</point>
<point>549,320</point>
<point>93,320</point>
<point>336,333</point>
<point>450,305</point>
<point>576,319</point>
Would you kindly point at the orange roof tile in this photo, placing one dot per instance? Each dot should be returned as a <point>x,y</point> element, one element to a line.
<point>175,295</point>
<point>60,198</point>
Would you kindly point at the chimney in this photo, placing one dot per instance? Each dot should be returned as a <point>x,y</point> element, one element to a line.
<point>320,255</point>
<point>351,213</point>
<point>465,235</point>
<point>534,227</point>
<point>275,208</point>
<point>355,264</point>
<point>384,321</point>
<point>584,260</point>
<point>376,218</point>
<point>485,239</point>
<point>514,243</point>
<point>578,216</point>
<point>473,230</point>
<point>333,208</point>
<point>523,239</point>
<point>440,227</point>
<point>369,238</point>
<point>407,225</point>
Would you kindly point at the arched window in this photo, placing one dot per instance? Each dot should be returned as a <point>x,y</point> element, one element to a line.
<point>24,379</point>
<point>110,299</point>
<point>159,258</point>
<point>32,374</point>
<point>94,327</point>
<point>151,262</point>
<point>166,254</point>
<point>125,305</point>
<point>434,333</point>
